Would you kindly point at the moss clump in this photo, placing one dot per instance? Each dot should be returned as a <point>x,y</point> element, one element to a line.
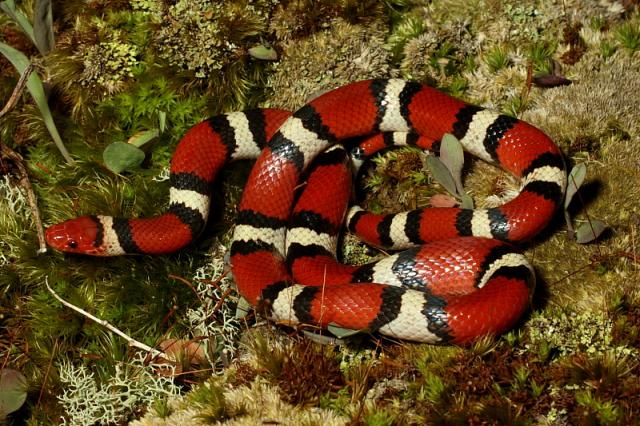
<point>109,63</point>
<point>253,403</point>
<point>328,59</point>
<point>568,334</point>
<point>593,105</point>
<point>296,19</point>
<point>204,37</point>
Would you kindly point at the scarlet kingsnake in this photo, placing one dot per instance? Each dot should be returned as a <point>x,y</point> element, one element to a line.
<point>466,281</point>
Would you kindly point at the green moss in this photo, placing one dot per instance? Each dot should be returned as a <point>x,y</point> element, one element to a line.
<point>572,333</point>
<point>204,38</point>
<point>108,64</point>
<point>497,59</point>
<point>628,35</point>
<point>328,59</point>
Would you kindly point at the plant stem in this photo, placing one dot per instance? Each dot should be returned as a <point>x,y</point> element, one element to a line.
<point>132,342</point>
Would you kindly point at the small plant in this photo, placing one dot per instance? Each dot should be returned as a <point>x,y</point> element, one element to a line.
<point>433,389</point>
<point>379,417</point>
<point>497,59</point>
<point>209,397</point>
<point>607,49</point>
<point>592,228</point>
<point>407,29</point>
<point>447,169</point>
<point>41,34</point>
<point>606,412</point>
<point>628,35</point>
<point>541,55</point>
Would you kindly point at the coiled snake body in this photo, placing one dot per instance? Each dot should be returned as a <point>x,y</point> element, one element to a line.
<point>464,281</point>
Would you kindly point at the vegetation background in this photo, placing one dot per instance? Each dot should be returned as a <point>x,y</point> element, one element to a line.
<point>144,71</point>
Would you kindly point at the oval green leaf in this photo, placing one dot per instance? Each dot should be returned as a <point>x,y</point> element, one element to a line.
<point>13,391</point>
<point>143,137</point>
<point>442,175</point>
<point>452,156</point>
<point>263,52</point>
<point>576,178</point>
<point>590,231</point>
<point>120,156</point>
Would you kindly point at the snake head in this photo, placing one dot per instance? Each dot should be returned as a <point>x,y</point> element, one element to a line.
<point>80,235</point>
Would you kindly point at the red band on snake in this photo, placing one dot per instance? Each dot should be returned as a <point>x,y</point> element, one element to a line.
<point>465,282</point>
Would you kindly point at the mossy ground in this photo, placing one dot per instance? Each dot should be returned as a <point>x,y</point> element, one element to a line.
<point>573,360</point>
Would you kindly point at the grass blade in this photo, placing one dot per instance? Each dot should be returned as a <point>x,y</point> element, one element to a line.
<point>35,87</point>
<point>9,7</point>
<point>43,26</point>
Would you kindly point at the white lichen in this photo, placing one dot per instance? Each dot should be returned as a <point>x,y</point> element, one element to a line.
<point>569,334</point>
<point>135,384</point>
<point>215,316</point>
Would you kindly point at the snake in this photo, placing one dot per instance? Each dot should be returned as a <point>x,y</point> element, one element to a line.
<point>459,275</point>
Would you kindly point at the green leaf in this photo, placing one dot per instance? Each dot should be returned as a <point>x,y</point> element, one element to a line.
<point>243,308</point>
<point>441,174</point>
<point>263,52</point>
<point>43,26</point>
<point>143,137</point>
<point>341,332</point>
<point>121,156</point>
<point>576,178</point>
<point>162,120</point>
<point>466,202</point>
<point>322,339</point>
<point>589,231</point>
<point>35,87</point>
<point>9,7</point>
<point>13,391</point>
<point>452,156</point>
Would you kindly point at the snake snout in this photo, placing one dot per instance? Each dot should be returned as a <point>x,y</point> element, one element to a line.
<point>79,235</point>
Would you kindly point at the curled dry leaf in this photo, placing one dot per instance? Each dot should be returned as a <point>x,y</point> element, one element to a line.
<point>180,349</point>
<point>550,80</point>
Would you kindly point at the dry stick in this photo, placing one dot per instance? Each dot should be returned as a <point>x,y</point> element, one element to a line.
<point>25,184</point>
<point>130,340</point>
<point>17,91</point>
<point>9,154</point>
<point>46,374</point>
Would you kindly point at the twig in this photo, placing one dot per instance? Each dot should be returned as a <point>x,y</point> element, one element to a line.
<point>46,374</point>
<point>9,154</point>
<point>17,91</point>
<point>132,342</point>
<point>25,184</point>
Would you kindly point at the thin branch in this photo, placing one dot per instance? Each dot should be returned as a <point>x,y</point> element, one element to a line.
<point>25,184</point>
<point>132,342</point>
<point>46,374</point>
<point>17,91</point>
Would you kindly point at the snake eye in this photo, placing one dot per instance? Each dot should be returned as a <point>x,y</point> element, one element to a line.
<point>73,244</point>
